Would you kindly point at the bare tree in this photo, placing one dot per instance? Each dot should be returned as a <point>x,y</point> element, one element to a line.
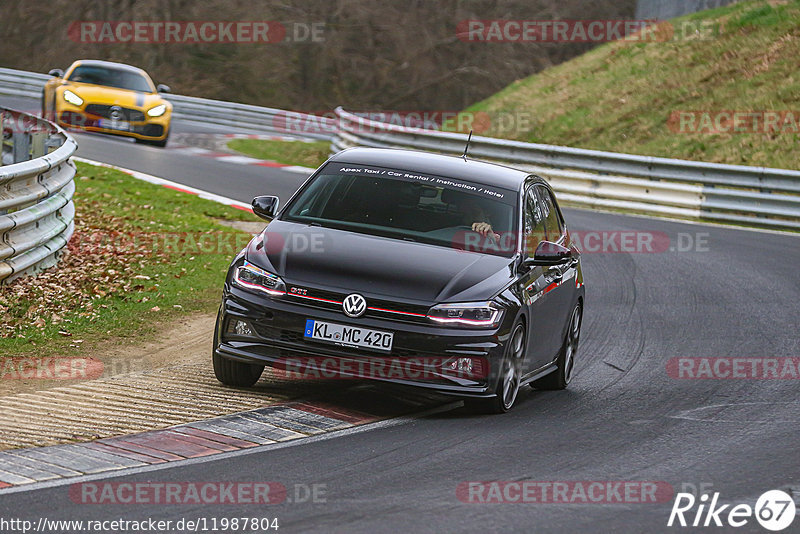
<point>384,54</point>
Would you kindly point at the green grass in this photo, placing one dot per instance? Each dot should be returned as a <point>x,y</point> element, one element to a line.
<point>305,154</point>
<point>137,246</point>
<point>619,96</point>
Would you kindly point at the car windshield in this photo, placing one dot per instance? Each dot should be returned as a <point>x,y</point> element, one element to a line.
<point>109,77</point>
<point>398,204</point>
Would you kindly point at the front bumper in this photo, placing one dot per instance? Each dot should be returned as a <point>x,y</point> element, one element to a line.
<point>149,129</point>
<point>278,326</point>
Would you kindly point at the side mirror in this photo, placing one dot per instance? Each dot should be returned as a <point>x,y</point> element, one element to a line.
<point>161,88</point>
<point>265,206</point>
<point>58,73</point>
<point>548,253</point>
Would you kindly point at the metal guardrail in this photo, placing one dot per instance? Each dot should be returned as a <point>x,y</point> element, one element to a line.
<point>257,119</point>
<point>22,83</point>
<point>36,188</point>
<point>757,196</point>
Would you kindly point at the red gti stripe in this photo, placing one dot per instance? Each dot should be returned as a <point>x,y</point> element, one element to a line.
<point>400,312</point>
<point>314,298</point>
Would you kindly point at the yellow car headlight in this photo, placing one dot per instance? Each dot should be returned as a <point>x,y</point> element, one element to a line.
<point>72,98</point>
<point>157,111</point>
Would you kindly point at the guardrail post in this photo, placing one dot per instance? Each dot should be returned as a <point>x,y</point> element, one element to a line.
<point>38,140</point>
<point>22,146</point>
<point>2,136</point>
<point>53,143</point>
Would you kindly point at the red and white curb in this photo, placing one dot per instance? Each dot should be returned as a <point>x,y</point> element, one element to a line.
<point>170,184</point>
<point>227,157</point>
<point>274,426</point>
<point>269,137</point>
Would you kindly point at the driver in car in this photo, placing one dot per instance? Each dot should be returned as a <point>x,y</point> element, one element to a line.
<point>475,216</point>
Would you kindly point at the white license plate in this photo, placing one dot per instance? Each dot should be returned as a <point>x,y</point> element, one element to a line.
<point>348,336</point>
<point>114,125</point>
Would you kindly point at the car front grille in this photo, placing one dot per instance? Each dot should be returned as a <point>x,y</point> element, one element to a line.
<point>377,308</point>
<point>104,111</point>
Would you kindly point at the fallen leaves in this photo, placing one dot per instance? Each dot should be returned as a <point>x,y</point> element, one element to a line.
<point>96,265</point>
<point>108,267</point>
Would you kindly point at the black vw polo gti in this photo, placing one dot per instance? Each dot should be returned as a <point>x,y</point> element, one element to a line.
<point>415,268</point>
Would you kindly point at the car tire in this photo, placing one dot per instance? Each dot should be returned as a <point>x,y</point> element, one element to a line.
<point>237,374</point>
<point>510,377</point>
<point>561,377</point>
<point>233,373</point>
<point>160,144</point>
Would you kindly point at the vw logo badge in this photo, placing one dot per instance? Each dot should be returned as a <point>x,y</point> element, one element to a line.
<point>116,113</point>
<point>354,305</point>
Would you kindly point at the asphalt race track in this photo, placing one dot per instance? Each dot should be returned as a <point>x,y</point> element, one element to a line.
<point>624,418</point>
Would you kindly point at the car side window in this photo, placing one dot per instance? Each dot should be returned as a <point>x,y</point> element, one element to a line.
<point>535,231</point>
<point>554,226</point>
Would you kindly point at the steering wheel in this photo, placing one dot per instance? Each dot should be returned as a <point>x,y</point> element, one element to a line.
<point>468,228</point>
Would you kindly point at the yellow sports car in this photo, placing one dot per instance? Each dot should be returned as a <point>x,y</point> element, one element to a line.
<point>100,96</point>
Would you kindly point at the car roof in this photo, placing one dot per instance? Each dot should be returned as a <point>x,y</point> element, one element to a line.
<point>109,64</point>
<point>470,170</point>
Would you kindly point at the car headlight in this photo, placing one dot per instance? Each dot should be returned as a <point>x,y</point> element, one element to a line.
<point>468,314</point>
<point>157,111</point>
<point>251,277</point>
<point>72,98</point>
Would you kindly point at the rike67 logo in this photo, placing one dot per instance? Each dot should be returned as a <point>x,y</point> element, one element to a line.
<point>775,510</point>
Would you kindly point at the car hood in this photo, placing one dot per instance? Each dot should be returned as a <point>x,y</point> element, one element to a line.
<point>344,261</point>
<point>98,94</point>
